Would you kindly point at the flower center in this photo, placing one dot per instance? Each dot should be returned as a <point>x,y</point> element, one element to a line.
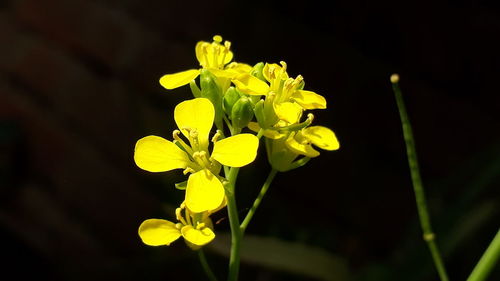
<point>200,159</point>
<point>186,217</point>
<point>214,54</point>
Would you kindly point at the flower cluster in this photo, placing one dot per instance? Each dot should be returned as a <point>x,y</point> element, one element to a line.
<point>234,97</point>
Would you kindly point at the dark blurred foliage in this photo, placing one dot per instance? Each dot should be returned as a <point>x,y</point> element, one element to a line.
<point>79,85</point>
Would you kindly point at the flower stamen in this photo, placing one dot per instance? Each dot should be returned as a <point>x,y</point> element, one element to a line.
<point>204,50</point>
<point>193,136</point>
<point>216,52</point>
<point>283,65</point>
<point>187,148</point>
<point>179,217</point>
<point>225,50</point>
<point>188,170</point>
<point>216,136</point>
<point>188,216</point>
<point>202,159</point>
<point>217,38</point>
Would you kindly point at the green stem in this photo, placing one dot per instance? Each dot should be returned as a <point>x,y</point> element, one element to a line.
<point>487,261</point>
<point>257,201</point>
<point>228,123</point>
<point>260,133</point>
<point>418,188</point>
<point>203,260</point>
<point>234,223</point>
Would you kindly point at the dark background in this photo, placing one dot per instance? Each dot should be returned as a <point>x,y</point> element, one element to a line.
<point>79,86</point>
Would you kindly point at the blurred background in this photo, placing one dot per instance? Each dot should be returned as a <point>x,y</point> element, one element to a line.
<point>79,86</point>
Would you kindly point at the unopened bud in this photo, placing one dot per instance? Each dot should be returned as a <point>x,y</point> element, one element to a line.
<point>211,91</point>
<point>394,78</point>
<point>231,96</point>
<point>242,112</point>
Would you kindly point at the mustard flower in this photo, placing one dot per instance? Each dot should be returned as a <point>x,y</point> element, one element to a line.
<point>288,98</point>
<point>215,57</point>
<point>195,228</point>
<point>285,149</point>
<point>194,118</point>
<point>300,142</point>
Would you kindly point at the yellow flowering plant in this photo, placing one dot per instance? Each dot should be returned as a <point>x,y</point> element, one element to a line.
<point>245,104</point>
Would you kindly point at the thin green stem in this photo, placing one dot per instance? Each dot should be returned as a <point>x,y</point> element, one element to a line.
<point>228,123</point>
<point>208,271</point>
<point>260,133</point>
<point>487,261</point>
<point>257,201</point>
<point>418,188</point>
<point>234,223</point>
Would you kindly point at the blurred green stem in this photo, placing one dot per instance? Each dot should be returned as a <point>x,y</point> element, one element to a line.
<point>206,267</point>
<point>234,223</point>
<point>418,188</point>
<point>257,201</point>
<point>487,261</point>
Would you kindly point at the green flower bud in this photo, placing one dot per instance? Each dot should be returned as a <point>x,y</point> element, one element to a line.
<point>264,112</point>
<point>257,71</point>
<point>211,90</point>
<point>259,114</point>
<point>231,96</point>
<point>242,112</point>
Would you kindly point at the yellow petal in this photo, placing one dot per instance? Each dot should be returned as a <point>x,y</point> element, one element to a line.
<point>156,154</point>
<point>224,73</point>
<point>254,126</point>
<point>322,137</point>
<point>251,85</point>
<point>197,237</point>
<point>156,232</point>
<point>208,221</point>
<point>288,111</point>
<point>236,151</point>
<point>196,114</point>
<point>300,148</point>
<point>172,81</point>
<point>239,67</point>
<point>200,53</point>
<point>309,100</point>
<point>204,192</point>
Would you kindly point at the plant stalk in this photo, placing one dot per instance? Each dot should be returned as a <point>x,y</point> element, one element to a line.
<point>487,262</point>
<point>423,213</point>
<point>234,223</point>
<point>257,201</point>
<point>208,271</point>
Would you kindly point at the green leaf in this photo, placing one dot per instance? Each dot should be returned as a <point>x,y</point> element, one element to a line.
<point>290,257</point>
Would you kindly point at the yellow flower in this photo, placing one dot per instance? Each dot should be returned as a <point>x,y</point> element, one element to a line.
<point>283,151</point>
<point>196,228</point>
<point>204,190</point>
<point>289,100</point>
<point>212,56</point>
<point>301,142</point>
